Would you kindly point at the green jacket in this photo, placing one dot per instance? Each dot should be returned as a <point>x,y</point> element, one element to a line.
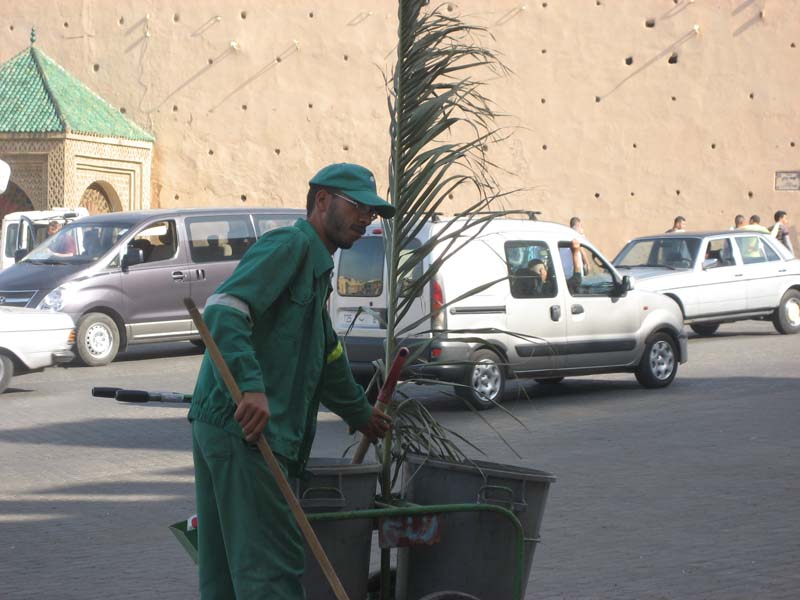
<point>271,324</point>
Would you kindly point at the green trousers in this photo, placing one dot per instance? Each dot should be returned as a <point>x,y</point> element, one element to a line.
<point>249,544</point>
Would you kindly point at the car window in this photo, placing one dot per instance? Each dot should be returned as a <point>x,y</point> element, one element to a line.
<point>594,278</point>
<point>219,238</point>
<point>771,254</point>
<point>11,239</point>
<point>361,268</point>
<point>753,250</point>
<point>158,241</point>
<point>265,223</point>
<point>410,277</point>
<point>531,273</point>
<point>721,251</point>
<point>670,251</point>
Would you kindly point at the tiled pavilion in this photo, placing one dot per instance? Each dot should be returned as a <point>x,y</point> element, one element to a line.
<point>66,145</point>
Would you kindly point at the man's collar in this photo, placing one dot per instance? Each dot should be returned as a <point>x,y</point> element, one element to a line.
<point>320,258</point>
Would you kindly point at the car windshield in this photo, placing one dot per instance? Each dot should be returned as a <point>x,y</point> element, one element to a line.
<point>669,252</point>
<point>78,243</point>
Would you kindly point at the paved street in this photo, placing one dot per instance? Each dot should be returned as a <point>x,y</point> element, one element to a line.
<point>689,492</point>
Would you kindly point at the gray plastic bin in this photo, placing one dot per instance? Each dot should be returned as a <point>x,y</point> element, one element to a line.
<point>337,485</point>
<point>476,554</point>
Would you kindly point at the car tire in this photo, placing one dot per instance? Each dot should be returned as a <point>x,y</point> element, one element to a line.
<point>787,317</point>
<point>98,339</point>
<point>705,329</point>
<point>549,380</point>
<point>6,372</point>
<point>659,363</point>
<point>485,382</point>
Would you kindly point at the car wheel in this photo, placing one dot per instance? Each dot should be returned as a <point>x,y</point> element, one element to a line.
<point>659,363</point>
<point>549,380</point>
<point>98,339</point>
<point>787,317</point>
<point>485,381</point>
<point>6,372</point>
<point>705,328</point>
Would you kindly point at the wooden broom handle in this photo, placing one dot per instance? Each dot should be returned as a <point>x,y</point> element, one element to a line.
<point>266,452</point>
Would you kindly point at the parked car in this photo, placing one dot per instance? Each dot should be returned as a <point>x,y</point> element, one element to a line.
<point>545,328</point>
<point>23,231</point>
<point>122,277</point>
<point>31,340</point>
<point>718,277</point>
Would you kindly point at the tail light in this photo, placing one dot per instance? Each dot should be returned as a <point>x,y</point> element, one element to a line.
<point>437,304</point>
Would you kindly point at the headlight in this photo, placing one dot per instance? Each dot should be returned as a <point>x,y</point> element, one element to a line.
<point>54,300</point>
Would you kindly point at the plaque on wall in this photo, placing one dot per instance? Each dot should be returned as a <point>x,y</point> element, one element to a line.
<point>787,181</point>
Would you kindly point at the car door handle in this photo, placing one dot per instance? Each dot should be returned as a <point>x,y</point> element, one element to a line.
<point>576,309</point>
<point>199,274</point>
<point>178,276</point>
<point>738,275</point>
<point>555,312</point>
<point>781,270</point>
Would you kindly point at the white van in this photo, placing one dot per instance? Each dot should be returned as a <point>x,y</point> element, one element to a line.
<point>541,320</point>
<point>23,231</point>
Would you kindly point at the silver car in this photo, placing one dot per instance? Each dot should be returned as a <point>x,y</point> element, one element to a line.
<point>718,277</point>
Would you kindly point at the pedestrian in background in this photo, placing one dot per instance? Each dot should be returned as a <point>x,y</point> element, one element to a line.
<point>576,224</point>
<point>755,225</point>
<point>780,231</point>
<point>738,222</point>
<point>679,224</point>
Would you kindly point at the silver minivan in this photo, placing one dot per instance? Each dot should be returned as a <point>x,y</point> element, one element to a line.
<point>122,277</point>
<point>536,319</point>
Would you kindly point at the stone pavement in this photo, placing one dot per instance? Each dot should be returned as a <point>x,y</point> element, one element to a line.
<point>689,492</point>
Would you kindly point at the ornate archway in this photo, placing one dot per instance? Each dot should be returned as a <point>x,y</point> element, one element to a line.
<point>14,199</point>
<point>99,198</point>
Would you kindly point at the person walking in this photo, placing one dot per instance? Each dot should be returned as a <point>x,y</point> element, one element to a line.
<point>679,224</point>
<point>738,222</point>
<point>755,225</point>
<point>780,230</point>
<point>273,329</point>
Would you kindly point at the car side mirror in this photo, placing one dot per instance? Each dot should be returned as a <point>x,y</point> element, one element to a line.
<point>133,256</point>
<point>710,263</point>
<point>624,286</point>
<point>20,254</point>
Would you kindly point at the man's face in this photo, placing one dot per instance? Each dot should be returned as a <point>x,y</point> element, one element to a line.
<point>346,221</point>
<point>681,225</point>
<point>53,228</point>
<point>785,219</point>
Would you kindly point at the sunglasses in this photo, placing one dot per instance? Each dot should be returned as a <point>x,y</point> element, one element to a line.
<point>361,209</point>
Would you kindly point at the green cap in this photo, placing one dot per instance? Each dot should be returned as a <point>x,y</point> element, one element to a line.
<point>355,182</point>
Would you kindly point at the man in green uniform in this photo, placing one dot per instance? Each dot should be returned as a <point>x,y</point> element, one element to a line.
<point>271,324</point>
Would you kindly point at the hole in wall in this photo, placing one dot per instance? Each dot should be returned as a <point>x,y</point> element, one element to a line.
<point>629,60</point>
<point>650,23</point>
<point>66,24</point>
<point>792,45</point>
<point>634,145</point>
<point>791,144</point>
<point>749,194</point>
<point>674,98</point>
<point>544,4</point>
<point>598,3</point>
<point>597,98</point>
<point>176,197</point>
<point>174,108</point>
<point>277,151</point>
<point>544,146</point>
<point>95,67</point>
<point>243,198</point>
<point>11,28</point>
<point>673,59</point>
<point>310,105</point>
<point>211,152</point>
<point>345,147</point>
<point>544,100</point>
<point>713,146</point>
<point>632,194</point>
<point>544,50</point>
<point>243,14</point>
<point>450,196</point>
<point>278,59</point>
<point>485,148</point>
<point>122,110</point>
<point>311,15</point>
<point>597,194</point>
<point>244,106</point>
<point>450,8</point>
<point>176,17</point>
<point>677,192</point>
<point>752,95</point>
<point>346,57</point>
<point>121,21</point>
<point>211,61</point>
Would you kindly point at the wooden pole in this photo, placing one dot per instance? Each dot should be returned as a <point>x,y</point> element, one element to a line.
<point>266,452</point>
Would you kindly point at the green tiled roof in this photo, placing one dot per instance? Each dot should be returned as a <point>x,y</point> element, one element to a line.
<point>38,96</point>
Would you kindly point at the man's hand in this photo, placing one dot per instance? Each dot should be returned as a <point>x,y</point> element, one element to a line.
<point>379,423</point>
<point>252,414</point>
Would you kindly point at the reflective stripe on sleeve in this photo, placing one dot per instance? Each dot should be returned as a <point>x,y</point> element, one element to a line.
<point>231,302</point>
<point>336,353</point>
